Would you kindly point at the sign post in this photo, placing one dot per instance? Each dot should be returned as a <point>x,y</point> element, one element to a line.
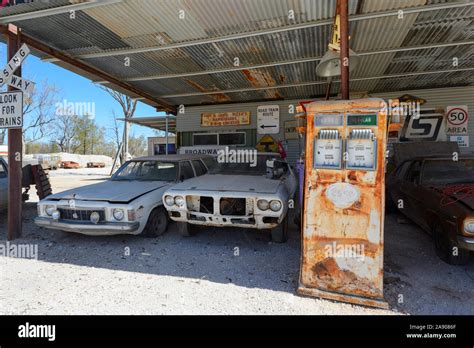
<point>15,144</point>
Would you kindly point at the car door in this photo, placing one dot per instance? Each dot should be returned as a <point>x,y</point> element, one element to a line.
<point>3,185</point>
<point>412,204</point>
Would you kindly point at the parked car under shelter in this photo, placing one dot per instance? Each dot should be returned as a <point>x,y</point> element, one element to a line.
<point>128,203</point>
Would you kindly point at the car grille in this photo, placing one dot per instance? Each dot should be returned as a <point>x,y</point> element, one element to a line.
<point>80,215</point>
<point>233,206</point>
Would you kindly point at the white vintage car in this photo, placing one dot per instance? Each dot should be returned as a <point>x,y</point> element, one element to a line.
<point>238,195</point>
<point>3,184</point>
<point>128,203</point>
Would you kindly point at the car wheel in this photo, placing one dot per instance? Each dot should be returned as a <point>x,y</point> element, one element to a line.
<point>157,223</point>
<point>187,230</point>
<point>445,248</point>
<point>280,233</point>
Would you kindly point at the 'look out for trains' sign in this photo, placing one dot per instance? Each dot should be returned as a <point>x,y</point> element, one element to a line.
<point>11,109</point>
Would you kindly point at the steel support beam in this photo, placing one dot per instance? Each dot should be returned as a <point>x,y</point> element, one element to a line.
<point>362,17</point>
<point>15,153</point>
<point>56,10</point>
<point>312,83</point>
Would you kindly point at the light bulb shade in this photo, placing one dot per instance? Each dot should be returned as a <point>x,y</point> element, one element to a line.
<point>330,64</point>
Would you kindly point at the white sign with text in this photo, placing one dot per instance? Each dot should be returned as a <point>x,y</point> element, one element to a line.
<point>11,110</point>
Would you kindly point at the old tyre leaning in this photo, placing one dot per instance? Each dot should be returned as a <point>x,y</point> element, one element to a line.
<point>187,230</point>
<point>280,233</point>
<point>157,223</point>
<point>445,247</point>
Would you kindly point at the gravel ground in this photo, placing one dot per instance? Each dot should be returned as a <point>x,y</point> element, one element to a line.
<point>220,271</point>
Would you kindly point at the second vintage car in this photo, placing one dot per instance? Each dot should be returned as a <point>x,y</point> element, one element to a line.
<point>236,194</point>
<point>437,193</point>
<point>128,203</point>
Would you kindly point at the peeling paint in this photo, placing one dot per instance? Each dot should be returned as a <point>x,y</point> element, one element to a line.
<point>342,252</point>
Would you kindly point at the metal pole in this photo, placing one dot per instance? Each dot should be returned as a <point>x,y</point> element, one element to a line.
<point>344,12</point>
<point>167,134</point>
<point>15,145</point>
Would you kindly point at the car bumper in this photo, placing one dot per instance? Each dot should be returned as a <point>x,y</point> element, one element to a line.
<point>466,243</point>
<point>103,229</point>
<point>255,221</point>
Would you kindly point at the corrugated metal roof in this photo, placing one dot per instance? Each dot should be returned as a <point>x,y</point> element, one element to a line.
<point>155,25</point>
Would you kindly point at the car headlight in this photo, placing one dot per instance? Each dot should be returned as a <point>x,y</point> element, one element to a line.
<point>49,210</point>
<point>118,214</point>
<point>179,201</point>
<point>275,205</point>
<point>469,226</point>
<point>169,200</point>
<point>263,204</point>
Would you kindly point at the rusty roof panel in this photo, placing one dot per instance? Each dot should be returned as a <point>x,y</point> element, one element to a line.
<point>132,24</point>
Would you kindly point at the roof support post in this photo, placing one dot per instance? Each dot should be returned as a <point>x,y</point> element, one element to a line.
<point>344,13</point>
<point>15,151</point>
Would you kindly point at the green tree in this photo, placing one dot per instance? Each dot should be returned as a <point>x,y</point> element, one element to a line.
<point>89,137</point>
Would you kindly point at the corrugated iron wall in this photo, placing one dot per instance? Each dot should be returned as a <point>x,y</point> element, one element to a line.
<point>436,98</point>
<point>441,98</point>
<point>190,122</point>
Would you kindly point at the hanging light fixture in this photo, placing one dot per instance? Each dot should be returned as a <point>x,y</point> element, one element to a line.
<point>330,64</point>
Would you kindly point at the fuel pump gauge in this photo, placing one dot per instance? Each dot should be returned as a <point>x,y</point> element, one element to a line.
<point>328,149</point>
<point>361,150</point>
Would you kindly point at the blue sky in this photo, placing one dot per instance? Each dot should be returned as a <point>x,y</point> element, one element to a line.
<point>75,88</point>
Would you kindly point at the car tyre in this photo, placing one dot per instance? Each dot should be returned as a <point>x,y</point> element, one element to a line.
<point>280,233</point>
<point>186,229</point>
<point>445,247</point>
<point>157,223</point>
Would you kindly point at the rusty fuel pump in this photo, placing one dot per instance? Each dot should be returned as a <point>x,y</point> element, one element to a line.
<point>344,195</point>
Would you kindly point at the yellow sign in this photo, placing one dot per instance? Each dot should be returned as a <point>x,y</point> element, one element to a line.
<point>223,119</point>
<point>267,144</point>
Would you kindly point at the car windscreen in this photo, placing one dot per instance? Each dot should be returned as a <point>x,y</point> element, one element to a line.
<point>243,167</point>
<point>147,171</point>
<point>441,172</point>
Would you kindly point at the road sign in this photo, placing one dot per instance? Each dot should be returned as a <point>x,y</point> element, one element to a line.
<point>462,140</point>
<point>11,110</point>
<point>21,84</point>
<point>457,118</point>
<point>6,75</point>
<point>268,119</point>
<point>14,64</point>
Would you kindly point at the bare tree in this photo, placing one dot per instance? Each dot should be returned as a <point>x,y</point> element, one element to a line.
<point>38,112</point>
<point>129,106</point>
<point>115,128</point>
<point>65,132</point>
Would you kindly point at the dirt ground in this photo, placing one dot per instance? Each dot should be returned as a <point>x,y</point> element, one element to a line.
<point>220,271</point>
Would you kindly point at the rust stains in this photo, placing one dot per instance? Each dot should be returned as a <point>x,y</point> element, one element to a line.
<point>333,278</point>
<point>218,97</point>
<point>260,79</point>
